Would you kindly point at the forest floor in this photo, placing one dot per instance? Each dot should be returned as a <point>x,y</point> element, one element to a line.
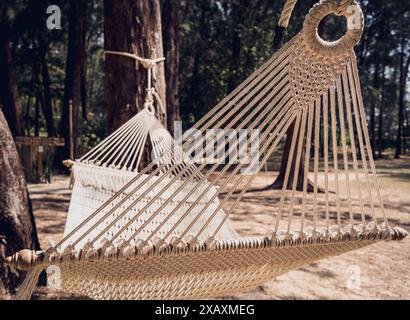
<point>383,269</point>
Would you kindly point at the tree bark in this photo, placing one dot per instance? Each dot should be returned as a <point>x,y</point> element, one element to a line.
<point>47,96</point>
<point>134,27</point>
<point>280,179</point>
<point>9,96</point>
<point>17,226</point>
<point>376,80</point>
<point>84,93</point>
<point>170,32</point>
<point>72,89</point>
<point>237,17</point>
<point>404,69</point>
<point>383,28</point>
<point>199,48</point>
<point>380,144</point>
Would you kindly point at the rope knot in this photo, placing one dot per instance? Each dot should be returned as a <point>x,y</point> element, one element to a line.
<point>148,63</point>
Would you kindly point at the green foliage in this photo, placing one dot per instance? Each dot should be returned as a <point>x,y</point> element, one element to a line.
<point>221,43</point>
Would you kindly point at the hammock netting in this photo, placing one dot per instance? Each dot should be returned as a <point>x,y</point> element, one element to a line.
<point>162,231</point>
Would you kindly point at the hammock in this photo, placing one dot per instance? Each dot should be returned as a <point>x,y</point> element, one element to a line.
<point>101,173</point>
<point>161,232</point>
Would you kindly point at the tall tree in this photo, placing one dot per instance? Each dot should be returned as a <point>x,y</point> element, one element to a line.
<point>73,79</point>
<point>9,96</point>
<point>280,179</point>
<point>133,27</point>
<point>237,16</point>
<point>373,106</point>
<point>17,226</point>
<point>380,133</point>
<point>46,84</point>
<point>170,32</point>
<point>404,70</point>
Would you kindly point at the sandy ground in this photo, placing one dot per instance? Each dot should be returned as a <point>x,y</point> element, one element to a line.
<point>381,271</point>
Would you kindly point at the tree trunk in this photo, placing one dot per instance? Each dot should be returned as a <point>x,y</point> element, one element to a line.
<point>134,27</point>
<point>380,139</point>
<point>17,226</point>
<point>237,17</point>
<point>72,89</point>
<point>373,112</point>
<point>9,97</point>
<point>280,179</point>
<point>199,47</point>
<point>47,97</point>
<point>84,93</point>
<point>404,69</point>
<point>170,32</point>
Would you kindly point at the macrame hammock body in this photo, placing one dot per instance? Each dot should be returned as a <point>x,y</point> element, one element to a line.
<point>163,232</point>
<point>101,173</point>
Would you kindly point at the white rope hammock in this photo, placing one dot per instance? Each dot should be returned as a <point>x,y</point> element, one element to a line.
<point>161,232</point>
<point>113,163</point>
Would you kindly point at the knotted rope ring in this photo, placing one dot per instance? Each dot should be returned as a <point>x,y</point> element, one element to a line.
<point>355,25</point>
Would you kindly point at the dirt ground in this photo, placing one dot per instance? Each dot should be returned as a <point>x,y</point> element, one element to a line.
<point>381,271</point>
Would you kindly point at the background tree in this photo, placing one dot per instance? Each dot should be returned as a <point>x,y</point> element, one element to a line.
<point>134,27</point>
<point>170,32</point>
<point>74,77</point>
<point>280,32</point>
<point>404,64</point>
<point>9,96</point>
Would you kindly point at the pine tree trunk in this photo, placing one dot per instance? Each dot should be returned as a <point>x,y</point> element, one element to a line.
<point>17,226</point>
<point>72,89</point>
<point>404,69</point>
<point>237,17</point>
<point>84,93</point>
<point>280,179</point>
<point>47,105</point>
<point>170,32</point>
<point>376,85</point>
<point>9,97</point>
<point>133,27</point>
<point>380,144</point>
